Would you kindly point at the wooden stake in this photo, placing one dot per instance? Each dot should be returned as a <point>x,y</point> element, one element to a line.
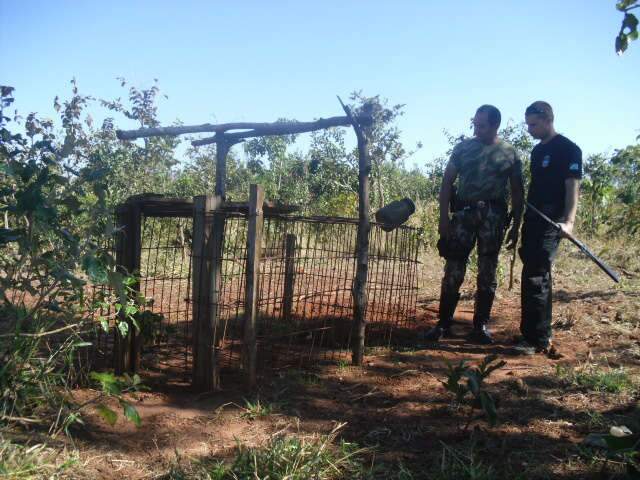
<point>127,349</point>
<point>222,148</point>
<point>289,276</point>
<point>254,250</point>
<point>205,285</point>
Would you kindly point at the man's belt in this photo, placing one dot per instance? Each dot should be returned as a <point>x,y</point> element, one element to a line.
<point>479,204</point>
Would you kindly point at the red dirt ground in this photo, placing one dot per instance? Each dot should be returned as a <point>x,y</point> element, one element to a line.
<point>397,404</point>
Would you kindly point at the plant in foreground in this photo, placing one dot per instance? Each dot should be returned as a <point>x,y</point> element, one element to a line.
<point>472,393</point>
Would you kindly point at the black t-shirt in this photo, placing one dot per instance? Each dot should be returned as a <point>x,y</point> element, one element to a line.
<point>551,164</point>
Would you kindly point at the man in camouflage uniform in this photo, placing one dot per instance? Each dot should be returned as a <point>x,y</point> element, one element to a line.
<point>484,166</point>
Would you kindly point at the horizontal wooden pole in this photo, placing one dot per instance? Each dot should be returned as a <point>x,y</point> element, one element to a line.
<point>252,129</point>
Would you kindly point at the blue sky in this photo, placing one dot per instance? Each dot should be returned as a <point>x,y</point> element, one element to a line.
<point>262,60</point>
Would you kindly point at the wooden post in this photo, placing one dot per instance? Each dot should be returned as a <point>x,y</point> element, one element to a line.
<point>222,148</point>
<point>254,250</point>
<point>205,287</point>
<point>289,275</point>
<point>127,348</point>
<point>359,290</point>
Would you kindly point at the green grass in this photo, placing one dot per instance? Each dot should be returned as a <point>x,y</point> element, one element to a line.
<point>597,378</point>
<point>595,420</point>
<point>257,409</point>
<point>303,378</point>
<point>343,364</point>
<point>457,464</point>
<point>319,457</point>
<point>35,461</point>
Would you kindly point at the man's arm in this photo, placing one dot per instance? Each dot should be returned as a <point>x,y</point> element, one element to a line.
<point>517,204</point>
<point>449,177</point>
<point>572,191</point>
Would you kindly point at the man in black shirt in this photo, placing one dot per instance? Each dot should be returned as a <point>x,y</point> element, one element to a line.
<point>556,170</point>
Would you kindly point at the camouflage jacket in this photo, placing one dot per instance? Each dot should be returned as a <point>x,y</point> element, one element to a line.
<point>484,170</point>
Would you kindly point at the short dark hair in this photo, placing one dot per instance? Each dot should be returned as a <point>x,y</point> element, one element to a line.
<point>540,108</point>
<point>493,114</point>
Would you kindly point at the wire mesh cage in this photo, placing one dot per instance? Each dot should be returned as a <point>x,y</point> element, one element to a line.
<point>304,300</point>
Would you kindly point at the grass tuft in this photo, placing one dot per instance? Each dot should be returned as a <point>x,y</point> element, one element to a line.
<point>257,409</point>
<point>596,378</point>
<point>320,457</point>
<point>32,461</point>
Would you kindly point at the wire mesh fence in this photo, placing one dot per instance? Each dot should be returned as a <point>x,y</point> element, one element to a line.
<point>305,306</point>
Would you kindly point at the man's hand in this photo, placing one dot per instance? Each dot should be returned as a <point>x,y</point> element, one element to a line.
<point>566,228</point>
<point>512,236</point>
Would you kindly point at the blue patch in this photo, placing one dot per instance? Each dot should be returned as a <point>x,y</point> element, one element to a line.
<point>546,161</point>
<point>574,167</point>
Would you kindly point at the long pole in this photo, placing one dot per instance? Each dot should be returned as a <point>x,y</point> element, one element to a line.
<point>603,266</point>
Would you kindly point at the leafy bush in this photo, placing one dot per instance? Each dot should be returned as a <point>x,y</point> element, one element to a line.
<point>52,245</point>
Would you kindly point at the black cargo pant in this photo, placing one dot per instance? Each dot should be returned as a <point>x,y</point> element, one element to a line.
<point>484,226</point>
<point>539,247</point>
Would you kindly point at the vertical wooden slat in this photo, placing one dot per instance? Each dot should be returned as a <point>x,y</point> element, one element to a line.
<point>289,275</point>
<point>222,148</point>
<point>254,250</point>
<point>127,351</point>
<point>134,269</point>
<point>205,281</point>
<point>121,352</point>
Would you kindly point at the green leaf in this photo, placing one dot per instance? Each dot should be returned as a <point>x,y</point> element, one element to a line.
<point>624,4</point>
<point>116,281</point>
<point>473,381</point>
<point>81,344</point>
<point>102,377</point>
<point>95,269</point>
<point>107,414</point>
<point>105,324</point>
<point>131,413</point>
<point>489,407</point>
<point>630,21</point>
<point>621,43</point>
<point>108,382</point>
<point>124,328</point>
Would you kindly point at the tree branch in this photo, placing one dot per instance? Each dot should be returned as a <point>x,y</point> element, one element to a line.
<point>41,334</point>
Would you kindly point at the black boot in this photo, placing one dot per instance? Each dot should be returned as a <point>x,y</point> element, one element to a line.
<point>448,303</point>
<point>482,312</point>
<point>434,334</point>
<point>481,335</point>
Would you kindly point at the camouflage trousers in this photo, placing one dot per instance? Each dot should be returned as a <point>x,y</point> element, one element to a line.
<point>484,226</point>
